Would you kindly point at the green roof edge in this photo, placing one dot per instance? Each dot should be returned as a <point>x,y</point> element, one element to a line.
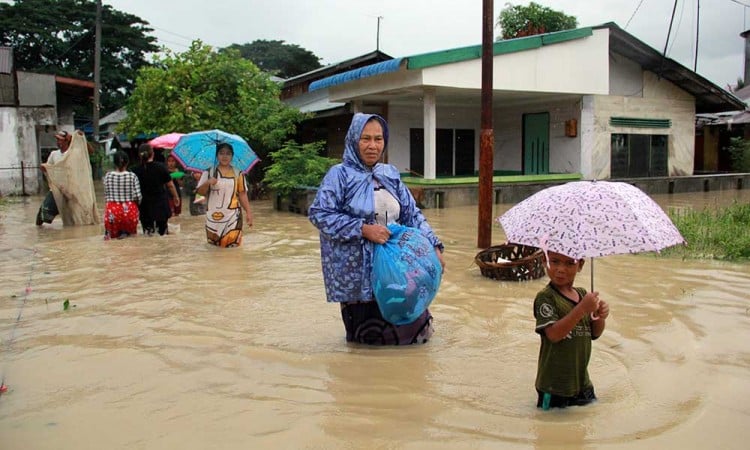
<point>454,55</point>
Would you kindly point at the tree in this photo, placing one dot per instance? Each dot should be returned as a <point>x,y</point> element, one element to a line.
<point>283,60</point>
<point>57,37</point>
<point>296,165</point>
<point>518,21</point>
<point>201,89</point>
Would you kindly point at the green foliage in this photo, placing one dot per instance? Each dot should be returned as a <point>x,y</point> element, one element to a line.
<point>97,156</point>
<point>739,149</point>
<point>278,58</point>
<point>296,165</point>
<point>716,234</point>
<point>517,21</point>
<point>201,89</point>
<point>57,37</point>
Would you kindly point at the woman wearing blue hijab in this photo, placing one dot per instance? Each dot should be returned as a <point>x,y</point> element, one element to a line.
<point>356,200</point>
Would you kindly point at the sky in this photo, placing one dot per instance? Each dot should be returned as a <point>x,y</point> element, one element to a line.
<point>336,30</point>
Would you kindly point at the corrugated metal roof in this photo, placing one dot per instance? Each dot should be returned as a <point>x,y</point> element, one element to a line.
<point>313,102</point>
<point>338,67</point>
<point>115,117</point>
<point>356,74</point>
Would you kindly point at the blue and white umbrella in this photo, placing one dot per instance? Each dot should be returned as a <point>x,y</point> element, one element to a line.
<point>197,151</point>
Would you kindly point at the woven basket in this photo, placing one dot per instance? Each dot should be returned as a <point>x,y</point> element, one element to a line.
<point>525,262</point>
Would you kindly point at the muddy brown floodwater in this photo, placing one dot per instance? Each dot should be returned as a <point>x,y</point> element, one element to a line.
<point>171,344</point>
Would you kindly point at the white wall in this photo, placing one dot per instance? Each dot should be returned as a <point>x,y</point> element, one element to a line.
<point>563,151</point>
<point>18,142</point>
<point>625,77</point>
<point>401,118</point>
<point>574,66</point>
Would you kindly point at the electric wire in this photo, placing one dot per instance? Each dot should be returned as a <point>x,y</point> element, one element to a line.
<point>633,15</point>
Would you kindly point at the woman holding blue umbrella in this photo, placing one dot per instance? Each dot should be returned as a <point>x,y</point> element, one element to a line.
<point>226,189</point>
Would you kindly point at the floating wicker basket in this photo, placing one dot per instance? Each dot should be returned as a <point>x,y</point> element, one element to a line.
<point>523,262</point>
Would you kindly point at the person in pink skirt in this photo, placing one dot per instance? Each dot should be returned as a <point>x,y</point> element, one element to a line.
<point>122,192</point>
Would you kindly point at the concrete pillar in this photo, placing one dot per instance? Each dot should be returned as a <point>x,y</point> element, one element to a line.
<point>357,106</point>
<point>588,136</point>
<point>430,134</point>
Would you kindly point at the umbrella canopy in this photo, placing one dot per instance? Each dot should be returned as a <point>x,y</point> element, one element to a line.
<point>590,218</point>
<point>197,150</point>
<point>165,141</point>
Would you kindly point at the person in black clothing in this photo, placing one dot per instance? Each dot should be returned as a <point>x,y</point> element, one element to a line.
<point>155,181</point>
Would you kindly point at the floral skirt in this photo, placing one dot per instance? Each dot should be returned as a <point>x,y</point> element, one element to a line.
<point>364,324</point>
<point>120,219</point>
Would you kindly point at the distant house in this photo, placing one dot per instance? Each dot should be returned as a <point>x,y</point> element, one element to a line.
<point>714,131</point>
<point>594,102</point>
<point>32,108</point>
<point>330,119</point>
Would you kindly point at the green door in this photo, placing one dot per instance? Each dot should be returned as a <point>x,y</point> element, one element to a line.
<point>535,143</point>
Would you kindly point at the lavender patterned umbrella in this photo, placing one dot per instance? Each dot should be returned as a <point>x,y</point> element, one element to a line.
<point>590,218</point>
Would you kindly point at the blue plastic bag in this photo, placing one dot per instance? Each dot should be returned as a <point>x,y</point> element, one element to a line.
<point>406,275</point>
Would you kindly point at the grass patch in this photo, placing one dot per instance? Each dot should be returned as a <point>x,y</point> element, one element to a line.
<point>713,234</point>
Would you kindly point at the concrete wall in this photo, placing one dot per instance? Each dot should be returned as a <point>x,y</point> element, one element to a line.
<point>659,99</point>
<point>20,129</point>
<point>36,89</point>
<point>449,196</point>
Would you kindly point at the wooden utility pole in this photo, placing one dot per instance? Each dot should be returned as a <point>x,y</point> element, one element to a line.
<point>487,137</point>
<point>97,67</point>
<point>697,31</point>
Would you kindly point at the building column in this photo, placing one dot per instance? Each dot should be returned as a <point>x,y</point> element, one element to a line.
<point>588,136</point>
<point>430,126</point>
<point>357,106</point>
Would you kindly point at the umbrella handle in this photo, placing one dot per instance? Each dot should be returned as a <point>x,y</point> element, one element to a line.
<point>593,314</point>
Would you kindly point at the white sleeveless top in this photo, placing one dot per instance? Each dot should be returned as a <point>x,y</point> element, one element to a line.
<point>387,208</point>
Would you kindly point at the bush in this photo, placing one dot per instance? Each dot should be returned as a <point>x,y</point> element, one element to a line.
<point>296,166</point>
<point>713,234</point>
<point>739,149</point>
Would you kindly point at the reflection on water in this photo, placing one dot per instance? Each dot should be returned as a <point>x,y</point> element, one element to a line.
<point>171,343</point>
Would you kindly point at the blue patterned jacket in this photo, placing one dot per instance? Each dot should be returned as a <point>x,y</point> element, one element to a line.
<point>344,202</point>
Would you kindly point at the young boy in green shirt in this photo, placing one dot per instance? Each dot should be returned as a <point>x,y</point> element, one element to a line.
<point>567,319</point>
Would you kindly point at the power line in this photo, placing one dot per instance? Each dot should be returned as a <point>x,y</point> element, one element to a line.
<point>740,3</point>
<point>633,15</point>
<point>175,34</point>
<point>669,31</point>
<point>677,29</point>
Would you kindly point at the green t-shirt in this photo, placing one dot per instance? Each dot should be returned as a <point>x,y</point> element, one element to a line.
<point>562,367</point>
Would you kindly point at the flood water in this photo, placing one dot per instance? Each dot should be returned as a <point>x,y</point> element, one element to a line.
<point>169,343</point>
